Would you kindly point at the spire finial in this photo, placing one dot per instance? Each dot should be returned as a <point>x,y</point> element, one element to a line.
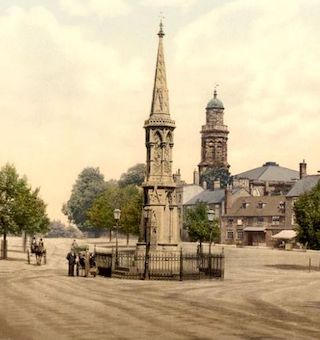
<point>161,33</point>
<point>215,90</point>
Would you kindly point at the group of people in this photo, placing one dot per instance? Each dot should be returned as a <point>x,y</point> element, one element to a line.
<point>79,262</point>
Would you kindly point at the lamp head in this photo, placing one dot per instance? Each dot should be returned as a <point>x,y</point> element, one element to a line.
<point>117,214</point>
<point>211,215</point>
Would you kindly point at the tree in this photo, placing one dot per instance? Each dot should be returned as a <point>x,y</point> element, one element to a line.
<point>128,199</point>
<point>59,229</point>
<point>135,175</point>
<point>88,186</point>
<point>214,174</point>
<point>131,210</point>
<point>307,212</point>
<point>198,226</point>
<point>21,209</point>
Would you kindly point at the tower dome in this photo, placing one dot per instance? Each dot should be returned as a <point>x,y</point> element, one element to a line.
<point>215,103</point>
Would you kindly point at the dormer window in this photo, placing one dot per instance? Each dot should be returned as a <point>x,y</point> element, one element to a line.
<point>261,205</point>
<point>245,205</point>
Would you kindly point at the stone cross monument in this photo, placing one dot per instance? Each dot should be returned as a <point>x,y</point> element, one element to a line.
<point>160,228</point>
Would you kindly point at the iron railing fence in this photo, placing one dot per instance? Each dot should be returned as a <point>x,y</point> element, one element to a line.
<point>161,265</point>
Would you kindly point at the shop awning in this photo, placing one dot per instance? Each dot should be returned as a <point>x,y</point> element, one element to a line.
<point>254,229</point>
<point>285,235</point>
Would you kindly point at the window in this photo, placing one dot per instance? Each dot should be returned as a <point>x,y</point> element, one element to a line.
<point>239,221</point>
<point>229,235</point>
<point>275,219</point>
<point>230,221</point>
<point>282,205</point>
<point>260,219</point>
<point>244,205</point>
<point>240,235</point>
<point>261,205</point>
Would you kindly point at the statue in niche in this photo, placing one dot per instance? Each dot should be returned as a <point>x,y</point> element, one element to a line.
<point>153,228</point>
<point>167,163</point>
<point>157,153</point>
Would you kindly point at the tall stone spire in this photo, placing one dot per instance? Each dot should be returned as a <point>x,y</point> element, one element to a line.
<point>160,228</point>
<point>160,97</point>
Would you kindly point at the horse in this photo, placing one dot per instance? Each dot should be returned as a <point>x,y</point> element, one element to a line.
<point>39,251</point>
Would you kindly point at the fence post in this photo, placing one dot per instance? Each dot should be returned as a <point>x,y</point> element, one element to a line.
<point>309,264</point>
<point>222,263</point>
<point>181,265</point>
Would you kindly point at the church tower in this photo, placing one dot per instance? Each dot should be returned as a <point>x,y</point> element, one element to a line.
<point>160,226</point>
<point>214,151</point>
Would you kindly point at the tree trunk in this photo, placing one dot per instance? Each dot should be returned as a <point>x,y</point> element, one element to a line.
<point>24,241</point>
<point>4,246</point>
<point>110,234</point>
<point>128,238</point>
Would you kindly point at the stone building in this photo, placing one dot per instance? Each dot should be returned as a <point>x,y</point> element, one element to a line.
<point>214,144</point>
<point>303,185</point>
<point>269,179</point>
<point>254,220</point>
<point>160,226</point>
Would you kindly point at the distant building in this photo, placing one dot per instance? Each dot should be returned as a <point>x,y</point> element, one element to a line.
<point>253,220</point>
<point>218,200</point>
<point>269,179</point>
<point>214,147</point>
<point>303,185</point>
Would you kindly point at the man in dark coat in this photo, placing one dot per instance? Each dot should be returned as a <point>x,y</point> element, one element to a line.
<point>71,257</point>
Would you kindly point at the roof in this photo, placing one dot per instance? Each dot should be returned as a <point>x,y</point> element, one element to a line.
<point>208,196</point>
<point>215,103</point>
<point>303,185</point>
<point>285,235</point>
<point>271,206</point>
<point>270,171</point>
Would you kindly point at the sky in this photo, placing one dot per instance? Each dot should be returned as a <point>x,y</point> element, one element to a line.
<point>77,75</point>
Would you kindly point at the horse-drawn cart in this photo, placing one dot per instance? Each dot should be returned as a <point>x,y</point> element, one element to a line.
<point>39,251</point>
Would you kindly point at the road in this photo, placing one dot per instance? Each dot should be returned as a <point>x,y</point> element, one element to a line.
<point>266,294</point>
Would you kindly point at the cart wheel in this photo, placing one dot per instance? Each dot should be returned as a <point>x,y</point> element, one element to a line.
<point>28,256</point>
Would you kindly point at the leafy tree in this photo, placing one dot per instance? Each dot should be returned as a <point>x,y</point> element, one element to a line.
<point>307,212</point>
<point>198,226</point>
<point>214,174</point>
<point>128,199</point>
<point>89,185</point>
<point>59,229</point>
<point>135,175</point>
<point>21,209</point>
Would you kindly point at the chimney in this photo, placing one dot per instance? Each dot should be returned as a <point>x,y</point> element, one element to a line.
<point>302,169</point>
<point>177,177</point>
<point>227,200</point>
<point>216,184</point>
<point>196,179</point>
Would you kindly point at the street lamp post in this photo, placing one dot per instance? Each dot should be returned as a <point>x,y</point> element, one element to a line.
<point>116,215</point>
<point>146,211</point>
<point>211,215</point>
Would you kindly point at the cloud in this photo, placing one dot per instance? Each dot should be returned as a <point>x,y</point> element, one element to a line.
<point>99,8</point>
<point>265,56</point>
<point>168,3</point>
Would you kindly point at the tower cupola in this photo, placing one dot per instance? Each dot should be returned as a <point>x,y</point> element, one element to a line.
<point>215,103</point>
